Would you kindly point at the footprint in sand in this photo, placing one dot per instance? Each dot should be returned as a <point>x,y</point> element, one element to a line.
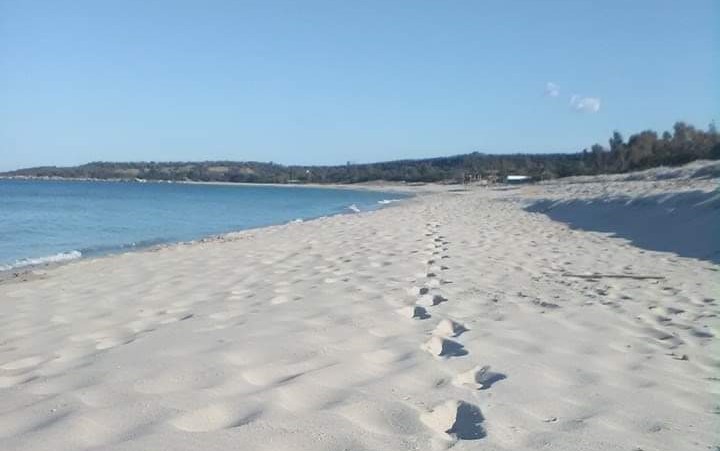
<point>449,328</point>
<point>431,300</point>
<point>479,377</point>
<point>414,311</point>
<point>444,347</point>
<point>415,291</point>
<point>457,420</point>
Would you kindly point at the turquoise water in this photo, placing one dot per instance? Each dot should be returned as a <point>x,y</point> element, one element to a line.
<point>45,221</point>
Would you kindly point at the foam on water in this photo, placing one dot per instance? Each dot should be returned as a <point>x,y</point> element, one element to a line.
<point>56,258</point>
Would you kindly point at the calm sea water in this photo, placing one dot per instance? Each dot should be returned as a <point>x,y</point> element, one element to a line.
<point>45,221</point>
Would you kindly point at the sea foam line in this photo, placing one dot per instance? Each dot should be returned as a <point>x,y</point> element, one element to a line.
<point>56,258</point>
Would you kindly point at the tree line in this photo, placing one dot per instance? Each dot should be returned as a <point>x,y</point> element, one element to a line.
<point>640,151</point>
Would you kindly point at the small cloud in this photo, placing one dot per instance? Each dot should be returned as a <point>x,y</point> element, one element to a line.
<point>585,104</point>
<point>551,89</point>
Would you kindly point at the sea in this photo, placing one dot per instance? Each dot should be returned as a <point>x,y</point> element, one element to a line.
<point>45,221</point>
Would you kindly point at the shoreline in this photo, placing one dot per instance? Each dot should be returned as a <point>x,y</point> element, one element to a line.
<point>27,272</point>
<point>380,185</point>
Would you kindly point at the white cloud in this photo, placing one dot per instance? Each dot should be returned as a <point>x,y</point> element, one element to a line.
<point>551,89</point>
<point>585,104</point>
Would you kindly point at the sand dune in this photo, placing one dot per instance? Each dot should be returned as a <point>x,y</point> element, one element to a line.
<point>448,320</point>
<point>685,223</point>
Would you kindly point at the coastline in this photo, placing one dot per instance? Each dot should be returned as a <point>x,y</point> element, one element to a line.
<point>378,330</point>
<point>31,271</point>
<point>380,185</point>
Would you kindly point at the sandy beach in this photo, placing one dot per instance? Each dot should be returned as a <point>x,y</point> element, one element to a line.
<point>573,315</point>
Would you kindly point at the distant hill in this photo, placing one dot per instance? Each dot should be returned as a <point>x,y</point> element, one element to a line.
<point>641,151</point>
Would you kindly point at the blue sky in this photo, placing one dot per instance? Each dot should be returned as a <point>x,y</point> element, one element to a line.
<point>325,82</point>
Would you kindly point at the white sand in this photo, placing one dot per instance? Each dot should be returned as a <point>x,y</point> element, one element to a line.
<point>445,321</point>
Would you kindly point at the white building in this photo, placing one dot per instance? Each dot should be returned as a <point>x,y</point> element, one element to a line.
<point>518,179</point>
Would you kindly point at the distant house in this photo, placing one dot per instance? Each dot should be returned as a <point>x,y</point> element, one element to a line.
<point>517,179</point>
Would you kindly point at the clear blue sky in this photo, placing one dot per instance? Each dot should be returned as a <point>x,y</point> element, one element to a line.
<point>331,81</point>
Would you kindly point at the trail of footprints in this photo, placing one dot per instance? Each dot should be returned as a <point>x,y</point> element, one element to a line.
<point>453,419</point>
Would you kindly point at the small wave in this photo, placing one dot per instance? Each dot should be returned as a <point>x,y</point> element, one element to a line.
<point>354,208</point>
<point>60,257</point>
<point>388,201</point>
<point>295,221</point>
<point>113,248</point>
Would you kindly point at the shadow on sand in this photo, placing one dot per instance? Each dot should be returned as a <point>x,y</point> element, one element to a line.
<point>687,224</point>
